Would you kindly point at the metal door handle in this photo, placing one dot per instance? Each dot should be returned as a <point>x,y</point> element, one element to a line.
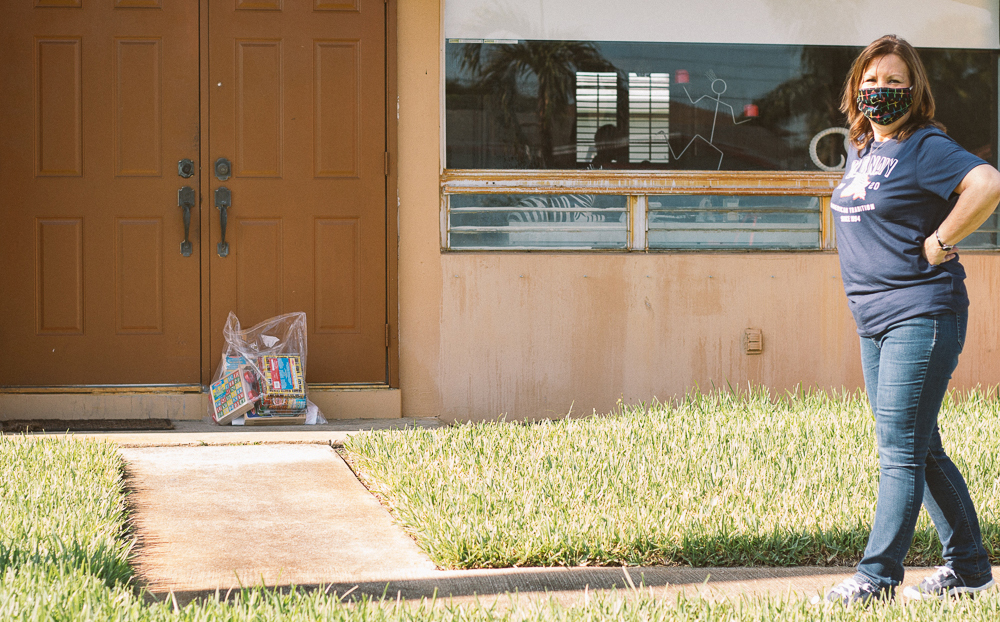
<point>223,201</point>
<point>185,200</point>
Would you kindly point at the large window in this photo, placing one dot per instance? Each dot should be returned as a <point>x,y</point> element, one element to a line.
<point>693,126</point>
<point>672,106</point>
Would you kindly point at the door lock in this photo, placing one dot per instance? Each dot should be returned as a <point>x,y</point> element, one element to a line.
<point>223,169</point>
<point>185,168</point>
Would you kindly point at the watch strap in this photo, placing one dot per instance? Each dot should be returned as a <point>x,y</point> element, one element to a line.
<point>944,247</point>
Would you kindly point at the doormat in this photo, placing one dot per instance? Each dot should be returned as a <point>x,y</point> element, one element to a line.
<point>17,426</point>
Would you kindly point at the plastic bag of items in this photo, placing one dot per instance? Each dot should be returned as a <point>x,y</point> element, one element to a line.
<point>261,377</point>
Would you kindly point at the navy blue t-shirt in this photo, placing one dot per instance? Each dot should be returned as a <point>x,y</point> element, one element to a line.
<point>892,197</point>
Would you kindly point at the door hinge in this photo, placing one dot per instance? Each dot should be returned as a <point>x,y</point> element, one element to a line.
<point>386,163</point>
<point>387,335</point>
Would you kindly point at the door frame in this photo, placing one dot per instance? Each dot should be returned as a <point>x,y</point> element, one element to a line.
<point>391,198</point>
<point>206,209</point>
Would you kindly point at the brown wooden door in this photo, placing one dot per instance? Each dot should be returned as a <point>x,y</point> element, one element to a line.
<point>297,105</point>
<point>98,102</point>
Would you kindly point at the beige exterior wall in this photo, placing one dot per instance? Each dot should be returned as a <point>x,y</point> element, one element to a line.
<point>532,335</point>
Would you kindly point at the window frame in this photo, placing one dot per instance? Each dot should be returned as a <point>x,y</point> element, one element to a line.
<point>638,185</point>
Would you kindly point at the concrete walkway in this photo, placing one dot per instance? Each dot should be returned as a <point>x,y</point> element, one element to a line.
<point>217,508</point>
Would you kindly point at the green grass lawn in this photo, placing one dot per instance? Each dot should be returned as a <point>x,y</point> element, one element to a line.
<point>65,544</point>
<point>716,480</point>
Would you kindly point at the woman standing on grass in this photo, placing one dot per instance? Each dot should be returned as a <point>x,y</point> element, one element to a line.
<point>908,196</point>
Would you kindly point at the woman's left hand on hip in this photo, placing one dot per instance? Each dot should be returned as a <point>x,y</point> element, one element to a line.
<point>935,255</point>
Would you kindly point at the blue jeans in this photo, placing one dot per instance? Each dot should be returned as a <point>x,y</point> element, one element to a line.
<point>907,369</point>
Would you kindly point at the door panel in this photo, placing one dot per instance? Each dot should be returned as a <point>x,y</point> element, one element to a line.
<point>100,101</point>
<point>297,103</point>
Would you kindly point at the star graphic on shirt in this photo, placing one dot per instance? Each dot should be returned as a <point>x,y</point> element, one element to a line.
<point>857,189</point>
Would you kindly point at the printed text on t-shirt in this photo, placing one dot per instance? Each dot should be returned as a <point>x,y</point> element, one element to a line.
<point>852,209</point>
<point>873,166</point>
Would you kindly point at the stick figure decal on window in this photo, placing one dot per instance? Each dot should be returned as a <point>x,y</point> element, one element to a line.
<point>718,86</point>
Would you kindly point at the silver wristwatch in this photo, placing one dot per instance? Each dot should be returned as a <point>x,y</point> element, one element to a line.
<point>945,247</point>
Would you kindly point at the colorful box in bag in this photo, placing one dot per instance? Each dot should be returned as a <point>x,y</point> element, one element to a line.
<point>282,406</point>
<point>283,391</point>
<point>233,394</point>
<point>282,376</point>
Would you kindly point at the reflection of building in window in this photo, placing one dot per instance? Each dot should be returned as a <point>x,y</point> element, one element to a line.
<point>596,105</point>
<point>649,117</point>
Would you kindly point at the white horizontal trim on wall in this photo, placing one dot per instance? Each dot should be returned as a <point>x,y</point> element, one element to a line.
<point>924,23</point>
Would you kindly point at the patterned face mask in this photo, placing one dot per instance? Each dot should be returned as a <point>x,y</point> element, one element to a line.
<point>884,106</point>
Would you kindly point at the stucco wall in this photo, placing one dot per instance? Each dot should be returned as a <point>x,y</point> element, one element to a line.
<point>532,335</point>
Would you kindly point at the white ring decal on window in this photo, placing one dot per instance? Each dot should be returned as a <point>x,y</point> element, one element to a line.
<point>815,141</point>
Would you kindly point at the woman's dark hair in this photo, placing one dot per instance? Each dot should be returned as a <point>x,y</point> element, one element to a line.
<point>922,110</point>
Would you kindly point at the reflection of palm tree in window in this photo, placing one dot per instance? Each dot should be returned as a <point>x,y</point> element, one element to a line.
<point>963,82</point>
<point>812,97</point>
<point>553,64</point>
